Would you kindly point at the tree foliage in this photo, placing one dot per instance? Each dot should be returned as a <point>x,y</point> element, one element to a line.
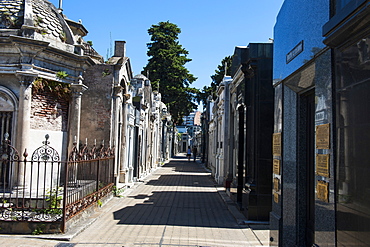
<point>166,70</point>
<point>216,80</point>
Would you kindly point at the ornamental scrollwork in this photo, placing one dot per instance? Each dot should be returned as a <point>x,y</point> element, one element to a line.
<point>45,153</point>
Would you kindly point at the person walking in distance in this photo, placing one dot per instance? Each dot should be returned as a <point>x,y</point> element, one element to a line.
<point>188,153</point>
<point>195,151</point>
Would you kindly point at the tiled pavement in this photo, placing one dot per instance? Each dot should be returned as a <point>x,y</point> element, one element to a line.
<point>178,205</point>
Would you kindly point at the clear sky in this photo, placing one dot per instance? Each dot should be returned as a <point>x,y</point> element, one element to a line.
<point>210,29</point>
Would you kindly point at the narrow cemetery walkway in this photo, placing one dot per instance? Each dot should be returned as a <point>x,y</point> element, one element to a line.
<point>176,206</point>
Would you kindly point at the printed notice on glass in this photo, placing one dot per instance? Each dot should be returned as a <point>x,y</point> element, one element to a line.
<point>322,165</point>
<point>323,136</point>
<point>276,165</point>
<point>322,189</point>
<point>276,144</point>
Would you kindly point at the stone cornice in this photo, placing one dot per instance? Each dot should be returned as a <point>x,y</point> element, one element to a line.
<point>238,77</point>
<point>47,48</point>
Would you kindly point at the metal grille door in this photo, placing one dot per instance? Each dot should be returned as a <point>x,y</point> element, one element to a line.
<point>5,123</point>
<point>5,128</point>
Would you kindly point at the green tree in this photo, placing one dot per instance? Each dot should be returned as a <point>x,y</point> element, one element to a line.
<point>166,70</point>
<point>216,80</point>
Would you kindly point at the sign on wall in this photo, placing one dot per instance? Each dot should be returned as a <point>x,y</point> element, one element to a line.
<point>294,52</point>
<point>276,167</point>
<point>322,189</point>
<point>276,197</point>
<point>276,144</point>
<point>323,136</point>
<point>322,165</point>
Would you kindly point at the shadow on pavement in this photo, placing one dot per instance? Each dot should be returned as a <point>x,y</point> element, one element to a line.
<point>194,209</point>
<point>173,180</point>
<point>184,197</point>
<point>185,166</point>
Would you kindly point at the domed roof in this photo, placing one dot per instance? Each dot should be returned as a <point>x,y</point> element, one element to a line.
<point>11,14</point>
<point>140,76</point>
<point>48,19</point>
<point>38,15</point>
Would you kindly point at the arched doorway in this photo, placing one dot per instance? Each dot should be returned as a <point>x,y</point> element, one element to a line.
<point>8,111</point>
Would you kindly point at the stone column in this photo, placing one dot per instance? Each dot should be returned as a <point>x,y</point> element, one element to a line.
<point>228,176</point>
<point>23,125</point>
<point>119,133</point>
<point>75,113</point>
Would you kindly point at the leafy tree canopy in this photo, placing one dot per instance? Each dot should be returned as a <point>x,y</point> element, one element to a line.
<point>167,72</point>
<point>216,80</point>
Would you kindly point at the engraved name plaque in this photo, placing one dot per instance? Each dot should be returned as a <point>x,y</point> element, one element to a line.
<point>276,144</point>
<point>322,165</point>
<point>276,169</point>
<point>276,184</point>
<point>322,191</point>
<point>276,197</point>
<point>323,136</point>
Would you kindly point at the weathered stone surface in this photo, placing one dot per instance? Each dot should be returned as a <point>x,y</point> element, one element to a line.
<point>49,18</point>
<point>49,113</point>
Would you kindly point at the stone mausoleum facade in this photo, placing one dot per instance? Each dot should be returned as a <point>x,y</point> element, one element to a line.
<point>42,63</point>
<point>53,82</point>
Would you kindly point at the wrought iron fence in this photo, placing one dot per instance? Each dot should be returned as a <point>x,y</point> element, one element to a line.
<point>42,188</point>
<point>90,176</point>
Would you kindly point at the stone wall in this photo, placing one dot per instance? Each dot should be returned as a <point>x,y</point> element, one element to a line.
<point>49,112</point>
<point>96,105</point>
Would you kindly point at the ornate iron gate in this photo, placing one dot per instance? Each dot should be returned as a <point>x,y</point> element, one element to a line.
<point>46,189</point>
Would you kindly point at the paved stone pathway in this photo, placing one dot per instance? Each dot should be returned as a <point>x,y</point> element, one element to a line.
<point>178,205</point>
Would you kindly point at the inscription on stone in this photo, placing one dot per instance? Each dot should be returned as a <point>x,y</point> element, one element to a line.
<point>276,144</point>
<point>323,136</point>
<point>322,165</point>
<point>276,167</point>
<point>322,189</point>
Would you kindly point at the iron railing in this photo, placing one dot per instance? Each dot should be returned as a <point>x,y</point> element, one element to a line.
<point>90,176</point>
<point>43,188</point>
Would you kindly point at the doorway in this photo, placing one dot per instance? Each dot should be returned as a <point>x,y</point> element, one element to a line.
<point>8,117</point>
<point>241,151</point>
<point>6,120</point>
<point>306,173</point>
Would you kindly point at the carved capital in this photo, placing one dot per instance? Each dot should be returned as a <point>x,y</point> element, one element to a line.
<point>117,90</point>
<point>78,89</point>
<point>26,78</point>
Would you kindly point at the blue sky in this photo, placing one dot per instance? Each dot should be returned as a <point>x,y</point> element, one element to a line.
<point>210,29</point>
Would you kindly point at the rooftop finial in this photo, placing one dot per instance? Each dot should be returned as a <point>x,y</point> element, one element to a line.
<point>61,5</point>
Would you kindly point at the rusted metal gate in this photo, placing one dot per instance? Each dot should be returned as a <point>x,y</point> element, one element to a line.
<point>42,188</point>
<point>90,177</point>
